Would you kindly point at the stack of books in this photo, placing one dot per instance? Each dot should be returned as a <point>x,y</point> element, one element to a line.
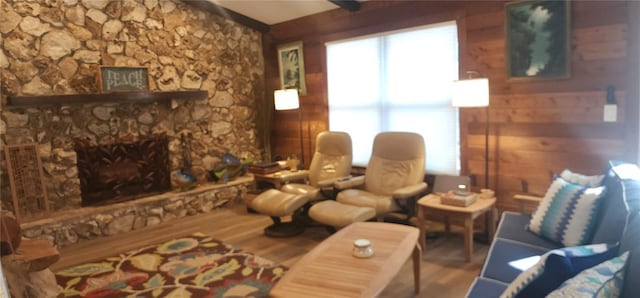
<point>264,168</point>
<point>458,198</point>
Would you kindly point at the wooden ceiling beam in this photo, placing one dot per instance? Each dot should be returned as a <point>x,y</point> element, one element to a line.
<point>350,5</point>
<point>229,14</point>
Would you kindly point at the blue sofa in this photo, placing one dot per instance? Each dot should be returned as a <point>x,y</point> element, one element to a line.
<point>618,221</point>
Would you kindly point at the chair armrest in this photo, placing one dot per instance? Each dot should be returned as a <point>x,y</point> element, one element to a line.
<point>353,182</point>
<point>409,191</point>
<point>287,176</point>
<point>523,200</point>
<point>330,182</point>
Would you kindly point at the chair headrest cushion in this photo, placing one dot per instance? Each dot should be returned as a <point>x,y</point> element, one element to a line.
<point>398,146</point>
<point>333,143</point>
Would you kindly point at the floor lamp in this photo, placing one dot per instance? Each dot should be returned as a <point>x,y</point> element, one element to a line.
<point>288,99</point>
<point>474,92</point>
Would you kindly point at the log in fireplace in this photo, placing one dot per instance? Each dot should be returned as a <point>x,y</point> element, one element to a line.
<point>122,171</point>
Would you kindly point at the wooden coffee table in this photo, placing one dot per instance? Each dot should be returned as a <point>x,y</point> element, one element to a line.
<point>430,205</point>
<point>330,270</point>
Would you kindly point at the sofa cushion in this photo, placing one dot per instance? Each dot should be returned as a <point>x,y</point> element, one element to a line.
<point>631,242</point>
<point>580,179</point>
<point>502,254</point>
<point>602,280</point>
<point>621,219</point>
<point>567,214</point>
<point>486,287</point>
<point>513,226</point>
<point>623,184</point>
<point>556,266</point>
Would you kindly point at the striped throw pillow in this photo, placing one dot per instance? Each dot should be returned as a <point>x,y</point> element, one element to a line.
<point>567,213</point>
<point>603,280</point>
<point>556,266</point>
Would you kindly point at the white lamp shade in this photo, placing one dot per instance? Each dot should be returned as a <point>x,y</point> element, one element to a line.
<point>286,99</point>
<point>471,93</point>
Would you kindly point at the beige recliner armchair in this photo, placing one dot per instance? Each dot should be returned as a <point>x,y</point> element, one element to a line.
<point>331,162</point>
<point>392,182</point>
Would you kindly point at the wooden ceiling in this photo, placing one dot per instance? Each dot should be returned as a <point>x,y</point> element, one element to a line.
<point>259,25</point>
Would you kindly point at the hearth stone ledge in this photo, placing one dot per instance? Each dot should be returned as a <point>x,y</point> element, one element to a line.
<point>72,226</point>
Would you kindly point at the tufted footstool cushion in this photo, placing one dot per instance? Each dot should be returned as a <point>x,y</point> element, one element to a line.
<point>277,203</point>
<point>339,215</point>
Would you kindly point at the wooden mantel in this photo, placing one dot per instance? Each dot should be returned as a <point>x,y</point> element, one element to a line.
<point>128,97</point>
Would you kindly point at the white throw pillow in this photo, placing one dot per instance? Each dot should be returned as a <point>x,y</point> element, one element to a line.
<point>584,180</point>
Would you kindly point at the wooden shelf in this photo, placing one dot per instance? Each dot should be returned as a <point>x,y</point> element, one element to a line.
<point>129,97</point>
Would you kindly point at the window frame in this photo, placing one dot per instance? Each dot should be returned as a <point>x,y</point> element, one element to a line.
<point>459,20</point>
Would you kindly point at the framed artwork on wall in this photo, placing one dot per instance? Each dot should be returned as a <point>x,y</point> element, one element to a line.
<point>291,64</point>
<point>122,79</point>
<point>537,40</point>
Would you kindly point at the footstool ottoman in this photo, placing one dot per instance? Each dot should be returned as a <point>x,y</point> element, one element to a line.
<point>339,215</point>
<point>278,204</point>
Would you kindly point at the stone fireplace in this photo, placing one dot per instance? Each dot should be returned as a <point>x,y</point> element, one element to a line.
<point>52,48</point>
<point>122,171</point>
<point>183,48</point>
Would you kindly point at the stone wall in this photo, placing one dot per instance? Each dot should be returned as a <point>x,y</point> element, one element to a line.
<point>73,226</point>
<point>55,47</point>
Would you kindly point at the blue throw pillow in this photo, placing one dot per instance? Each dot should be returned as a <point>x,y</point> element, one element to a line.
<point>603,280</point>
<point>568,212</point>
<point>555,267</point>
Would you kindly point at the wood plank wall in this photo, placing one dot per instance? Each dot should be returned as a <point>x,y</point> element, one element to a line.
<point>537,128</point>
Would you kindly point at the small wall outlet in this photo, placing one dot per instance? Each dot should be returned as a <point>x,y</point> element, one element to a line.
<point>610,113</point>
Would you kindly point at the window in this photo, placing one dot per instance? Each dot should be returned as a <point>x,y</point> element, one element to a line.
<point>398,81</point>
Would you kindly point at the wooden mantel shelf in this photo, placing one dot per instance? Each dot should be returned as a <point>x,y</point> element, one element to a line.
<point>129,97</point>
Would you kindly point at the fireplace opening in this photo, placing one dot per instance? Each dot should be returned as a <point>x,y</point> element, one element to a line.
<point>122,171</point>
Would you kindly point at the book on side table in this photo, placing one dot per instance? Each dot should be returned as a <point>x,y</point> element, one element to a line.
<point>458,198</point>
<point>264,168</point>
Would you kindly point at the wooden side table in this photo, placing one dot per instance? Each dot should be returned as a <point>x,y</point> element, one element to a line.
<point>281,177</point>
<point>430,205</point>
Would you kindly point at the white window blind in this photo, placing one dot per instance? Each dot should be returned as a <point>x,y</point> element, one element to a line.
<point>398,81</point>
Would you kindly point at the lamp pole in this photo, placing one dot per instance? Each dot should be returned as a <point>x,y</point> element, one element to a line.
<point>486,148</point>
<point>300,130</point>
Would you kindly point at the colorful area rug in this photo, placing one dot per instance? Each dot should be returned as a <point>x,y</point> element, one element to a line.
<point>194,266</point>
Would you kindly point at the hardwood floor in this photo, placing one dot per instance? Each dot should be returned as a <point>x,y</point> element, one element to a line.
<point>444,271</point>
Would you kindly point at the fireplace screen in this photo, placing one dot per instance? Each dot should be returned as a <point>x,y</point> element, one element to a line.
<point>122,171</point>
